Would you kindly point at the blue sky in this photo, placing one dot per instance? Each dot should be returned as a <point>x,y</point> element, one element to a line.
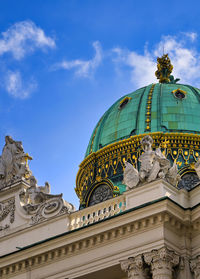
<point>63,63</point>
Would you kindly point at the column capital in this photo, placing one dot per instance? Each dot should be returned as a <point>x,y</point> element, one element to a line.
<point>195,267</point>
<point>162,262</point>
<point>134,266</point>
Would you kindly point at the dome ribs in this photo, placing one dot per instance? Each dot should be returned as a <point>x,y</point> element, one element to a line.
<point>148,110</point>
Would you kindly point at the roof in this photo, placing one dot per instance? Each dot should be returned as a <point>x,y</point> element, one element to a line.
<point>164,107</point>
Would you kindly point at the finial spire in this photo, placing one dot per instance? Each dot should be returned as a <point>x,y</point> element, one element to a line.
<point>164,69</point>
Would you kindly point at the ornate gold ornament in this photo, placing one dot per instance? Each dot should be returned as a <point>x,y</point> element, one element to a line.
<point>148,109</point>
<point>124,102</point>
<point>164,69</point>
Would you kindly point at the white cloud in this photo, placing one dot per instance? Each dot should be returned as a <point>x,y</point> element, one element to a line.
<point>191,35</point>
<point>23,37</point>
<point>83,68</point>
<point>16,87</point>
<point>184,57</point>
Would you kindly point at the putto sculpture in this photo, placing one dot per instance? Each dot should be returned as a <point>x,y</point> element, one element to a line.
<point>153,165</point>
<point>13,162</point>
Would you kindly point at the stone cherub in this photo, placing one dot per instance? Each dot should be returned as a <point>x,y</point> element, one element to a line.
<point>153,165</point>
<point>13,161</point>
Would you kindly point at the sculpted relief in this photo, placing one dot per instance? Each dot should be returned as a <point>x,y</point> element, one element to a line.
<point>35,201</point>
<point>7,213</point>
<point>40,204</point>
<point>153,165</point>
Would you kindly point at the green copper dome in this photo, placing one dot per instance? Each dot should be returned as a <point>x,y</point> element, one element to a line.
<point>161,107</point>
<point>167,111</point>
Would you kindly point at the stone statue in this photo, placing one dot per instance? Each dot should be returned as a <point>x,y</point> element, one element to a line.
<point>13,162</point>
<point>197,167</point>
<point>38,202</point>
<point>153,165</point>
<point>131,176</point>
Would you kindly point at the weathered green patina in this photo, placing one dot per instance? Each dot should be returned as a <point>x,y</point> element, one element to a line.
<point>167,114</point>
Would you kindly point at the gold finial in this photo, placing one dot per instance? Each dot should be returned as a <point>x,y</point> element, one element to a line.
<point>164,69</point>
<point>27,157</point>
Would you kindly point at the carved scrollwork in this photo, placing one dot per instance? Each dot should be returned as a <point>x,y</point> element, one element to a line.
<point>50,208</point>
<point>38,202</point>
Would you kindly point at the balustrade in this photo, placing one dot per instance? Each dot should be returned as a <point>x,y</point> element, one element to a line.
<point>97,212</point>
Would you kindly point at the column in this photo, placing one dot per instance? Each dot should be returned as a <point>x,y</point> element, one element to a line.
<point>162,262</point>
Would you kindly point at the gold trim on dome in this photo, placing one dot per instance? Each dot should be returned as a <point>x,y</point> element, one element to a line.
<point>177,146</point>
<point>178,90</point>
<point>124,99</point>
<point>148,109</point>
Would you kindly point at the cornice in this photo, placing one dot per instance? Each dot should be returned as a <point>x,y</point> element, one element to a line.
<point>92,237</point>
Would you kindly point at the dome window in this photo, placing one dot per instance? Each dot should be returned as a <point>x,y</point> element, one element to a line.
<point>179,94</point>
<point>124,102</point>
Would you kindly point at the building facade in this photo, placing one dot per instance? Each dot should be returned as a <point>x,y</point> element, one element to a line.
<point>139,191</point>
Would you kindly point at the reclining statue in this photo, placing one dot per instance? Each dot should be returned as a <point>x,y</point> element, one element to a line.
<point>153,165</point>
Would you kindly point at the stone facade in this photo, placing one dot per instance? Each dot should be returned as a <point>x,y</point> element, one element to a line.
<point>151,231</point>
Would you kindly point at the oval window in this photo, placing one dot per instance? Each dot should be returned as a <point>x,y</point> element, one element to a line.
<point>124,102</point>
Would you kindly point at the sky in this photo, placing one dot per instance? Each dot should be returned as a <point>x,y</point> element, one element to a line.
<point>63,63</point>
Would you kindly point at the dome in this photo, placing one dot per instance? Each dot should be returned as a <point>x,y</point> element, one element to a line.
<point>168,111</point>
<point>156,107</point>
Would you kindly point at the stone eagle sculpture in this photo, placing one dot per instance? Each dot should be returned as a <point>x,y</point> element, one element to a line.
<point>153,165</point>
